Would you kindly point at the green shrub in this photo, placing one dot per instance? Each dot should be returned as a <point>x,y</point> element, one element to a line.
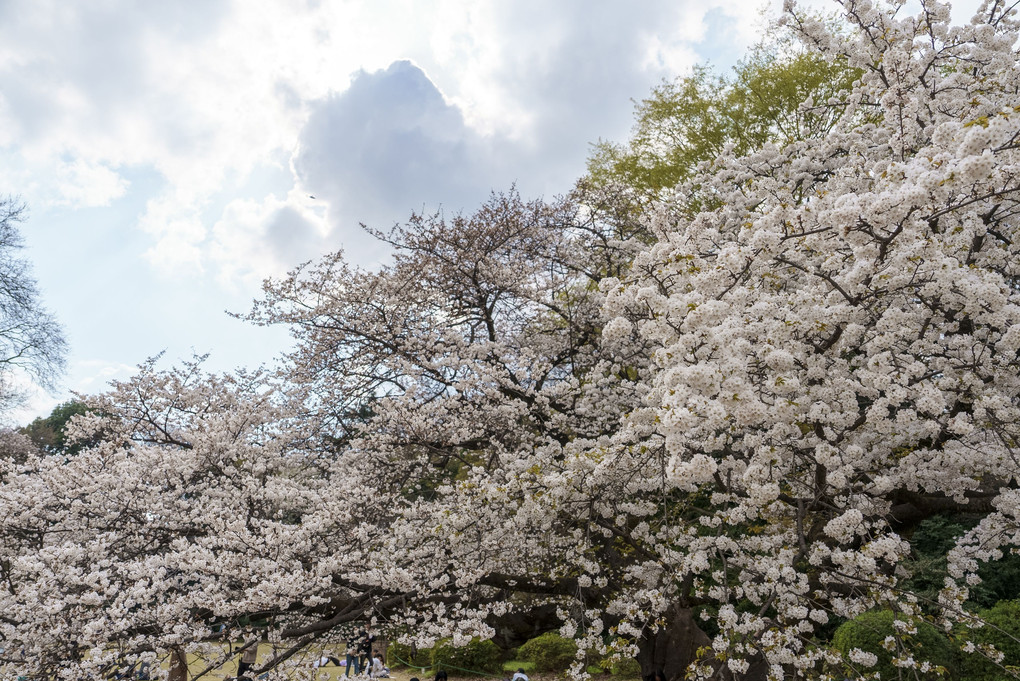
<point>550,652</point>
<point>869,630</point>
<point>627,667</point>
<point>476,656</point>
<point>1002,629</point>
<point>399,654</point>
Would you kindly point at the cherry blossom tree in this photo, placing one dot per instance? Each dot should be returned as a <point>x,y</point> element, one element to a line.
<point>129,549</point>
<point>309,500</point>
<point>835,338</point>
<point>699,434</point>
<point>486,399</point>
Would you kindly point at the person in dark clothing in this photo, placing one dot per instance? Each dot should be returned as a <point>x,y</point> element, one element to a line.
<point>325,660</point>
<point>365,650</point>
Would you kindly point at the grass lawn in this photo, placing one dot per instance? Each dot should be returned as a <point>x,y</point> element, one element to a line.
<point>331,672</point>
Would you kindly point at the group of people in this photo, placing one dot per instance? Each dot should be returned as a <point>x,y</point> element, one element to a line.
<point>359,652</point>
<point>360,657</point>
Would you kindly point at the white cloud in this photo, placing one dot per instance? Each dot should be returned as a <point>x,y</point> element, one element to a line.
<point>225,115</point>
<point>390,144</point>
<point>89,376</point>
<point>179,231</point>
<point>81,183</point>
<point>96,374</point>
<point>254,240</point>
<point>207,92</point>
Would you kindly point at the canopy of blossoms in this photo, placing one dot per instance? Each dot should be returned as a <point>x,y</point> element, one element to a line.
<point>732,408</point>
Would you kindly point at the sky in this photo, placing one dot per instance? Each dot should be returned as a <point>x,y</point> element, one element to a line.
<point>173,155</point>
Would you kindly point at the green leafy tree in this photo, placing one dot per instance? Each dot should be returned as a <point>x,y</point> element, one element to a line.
<point>694,118</point>
<point>50,433</point>
<point>475,656</point>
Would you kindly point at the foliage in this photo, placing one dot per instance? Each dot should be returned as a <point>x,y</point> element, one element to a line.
<point>626,667</point>
<point>1001,630</point>
<point>49,433</point>
<point>694,118</point>
<point>999,580</point>
<point>514,665</point>
<point>400,653</point>
<point>930,545</point>
<point>475,655</point>
<point>549,652</point>
<point>815,347</point>
<point>883,641</point>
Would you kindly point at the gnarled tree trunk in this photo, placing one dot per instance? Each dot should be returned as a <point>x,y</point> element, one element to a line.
<point>673,647</point>
<point>178,665</point>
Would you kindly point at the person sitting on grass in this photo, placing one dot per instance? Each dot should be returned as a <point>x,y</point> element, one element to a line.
<point>519,675</point>
<point>379,670</point>
<point>325,660</point>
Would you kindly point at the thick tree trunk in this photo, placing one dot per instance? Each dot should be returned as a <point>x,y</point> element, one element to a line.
<point>178,665</point>
<point>675,646</point>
